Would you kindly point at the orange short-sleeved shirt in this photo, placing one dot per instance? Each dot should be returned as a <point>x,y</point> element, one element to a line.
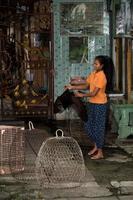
<point>97,80</point>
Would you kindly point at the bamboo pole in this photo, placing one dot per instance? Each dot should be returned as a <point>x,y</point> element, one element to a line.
<point>129,68</point>
<point>117,49</point>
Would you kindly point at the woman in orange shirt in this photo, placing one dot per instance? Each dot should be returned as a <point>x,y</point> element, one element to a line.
<point>96,83</point>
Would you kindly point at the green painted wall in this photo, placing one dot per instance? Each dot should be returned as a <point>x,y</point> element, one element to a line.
<point>97,44</point>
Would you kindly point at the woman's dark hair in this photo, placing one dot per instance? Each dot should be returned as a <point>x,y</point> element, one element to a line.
<point>108,68</point>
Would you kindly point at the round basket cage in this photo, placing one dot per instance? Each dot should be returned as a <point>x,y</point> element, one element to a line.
<point>60,163</point>
<point>23,154</point>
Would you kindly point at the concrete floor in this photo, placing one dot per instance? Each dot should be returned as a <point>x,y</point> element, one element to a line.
<point>108,179</point>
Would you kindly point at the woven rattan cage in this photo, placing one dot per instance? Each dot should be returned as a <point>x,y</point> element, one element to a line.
<point>7,134</point>
<point>60,163</point>
<point>24,170</point>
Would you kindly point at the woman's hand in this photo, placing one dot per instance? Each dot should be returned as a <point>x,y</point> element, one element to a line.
<point>79,94</point>
<point>69,87</point>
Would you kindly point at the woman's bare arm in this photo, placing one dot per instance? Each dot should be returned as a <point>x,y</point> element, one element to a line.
<point>93,93</point>
<point>77,87</point>
<point>90,94</point>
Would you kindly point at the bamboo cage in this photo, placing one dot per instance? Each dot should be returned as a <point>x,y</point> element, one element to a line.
<point>7,134</point>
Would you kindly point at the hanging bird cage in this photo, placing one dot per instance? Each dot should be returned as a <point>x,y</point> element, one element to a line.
<point>60,163</point>
<point>7,133</point>
<point>32,140</point>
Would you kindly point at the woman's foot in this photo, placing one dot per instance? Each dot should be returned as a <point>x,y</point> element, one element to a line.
<point>93,151</point>
<point>98,156</point>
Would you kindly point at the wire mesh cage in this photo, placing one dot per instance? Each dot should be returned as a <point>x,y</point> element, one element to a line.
<point>24,169</point>
<point>60,163</point>
<point>7,133</point>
